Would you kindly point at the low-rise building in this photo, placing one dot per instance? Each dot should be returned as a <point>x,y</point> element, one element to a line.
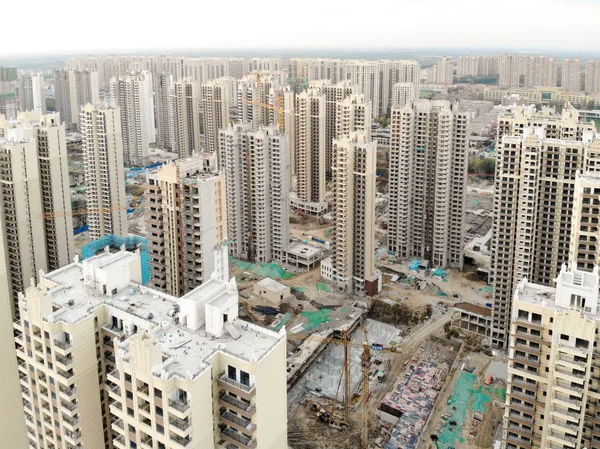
<point>271,290</point>
<point>472,318</point>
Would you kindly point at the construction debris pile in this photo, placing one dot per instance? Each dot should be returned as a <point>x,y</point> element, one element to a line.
<point>415,392</point>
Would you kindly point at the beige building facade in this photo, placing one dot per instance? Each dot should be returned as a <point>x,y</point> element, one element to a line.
<point>184,103</point>
<point>104,171</point>
<point>187,224</point>
<point>351,266</point>
<point>538,157</point>
<point>152,371</point>
<point>553,398</point>
<point>427,210</point>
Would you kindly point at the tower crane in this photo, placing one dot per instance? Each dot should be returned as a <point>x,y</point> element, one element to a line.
<point>366,366</point>
<point>279,111</point>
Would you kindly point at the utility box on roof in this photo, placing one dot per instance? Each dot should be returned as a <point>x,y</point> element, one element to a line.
<point>271,290</point>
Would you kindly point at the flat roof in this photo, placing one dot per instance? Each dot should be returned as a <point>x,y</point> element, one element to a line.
<point>473,308</point>
<point>272,285</point>
<point>189,350</point>
<point>304,250</point>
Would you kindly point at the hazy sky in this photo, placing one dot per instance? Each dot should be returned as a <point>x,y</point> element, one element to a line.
<point>66,26</point>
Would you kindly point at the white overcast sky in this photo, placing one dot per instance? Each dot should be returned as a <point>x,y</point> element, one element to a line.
<point>71,26</point>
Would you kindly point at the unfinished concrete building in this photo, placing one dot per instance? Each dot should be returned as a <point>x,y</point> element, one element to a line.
<point>256,164</point>
<point>187,224</point>
<point>538,156</point>
<point>553,398</point>
<point>352,264</point>
<point>428,176</point>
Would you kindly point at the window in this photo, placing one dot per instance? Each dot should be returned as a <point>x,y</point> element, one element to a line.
<point>244,378</point>
<point>564,337</point>
<point>157,393</point>
<point>231,372</point>
<point>159,411</point>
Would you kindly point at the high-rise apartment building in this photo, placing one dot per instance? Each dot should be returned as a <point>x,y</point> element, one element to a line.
<point>185,118</point>
<point>32,96</point>
<point>256,164</point>
<point>364,76</point>
<point>527,71</point>
<point>552,397</point>
<point>351,266</point>
<point>538,156</point>
<point>310,151</point>
<point>9,104</point>
<point>592,77</point>
<point>333,93</point>
<point>104,171</point>
<point>105,362</point>
<point>215,105</point>
<point>428,177</point>
<point>403,94</point>
<point>130,95</point>
<point>163,83</point>
<point>476,66</point>
<point>353,114</point>
<point>571,75</point>
<point>442,72</point>
<point>74,89</point>
<point>36,203</point>
<point>257,98</point>
<point>187,224</point>
<point>392,72</point>
<point>584,251</point>
<point>37,232</point>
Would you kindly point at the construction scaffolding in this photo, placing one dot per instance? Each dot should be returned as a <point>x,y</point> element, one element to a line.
<point>131,243</point>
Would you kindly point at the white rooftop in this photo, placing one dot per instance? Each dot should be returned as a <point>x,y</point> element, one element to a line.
<point>272,285</point>
<point>179,324</point>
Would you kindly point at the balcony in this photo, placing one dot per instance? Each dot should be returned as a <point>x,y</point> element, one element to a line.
<point>119,442</point>
<point>237,438</point>
<point>179,406</point>
<point>567,426</point>
<point>68,405</point>
<point>238,422</point>
<point>236,404</point>
<point>68,392</point>
<point>568,372</point>
<point>245,391</point>
<point>183,442</point>
<point>64,361</point>
<point>63,345</point>
<point>181,424</point>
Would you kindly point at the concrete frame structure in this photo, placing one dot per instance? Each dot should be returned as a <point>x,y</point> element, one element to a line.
<point>256,165</point>
<point>104,171</point>
<point>352,264</point>
<point>185,118</point>
<point>538,156</point>
<point>187,224</point>
<point>472,318</point>
<point>428,176</point>
<point>553,382</point>
<point>148,371</point>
